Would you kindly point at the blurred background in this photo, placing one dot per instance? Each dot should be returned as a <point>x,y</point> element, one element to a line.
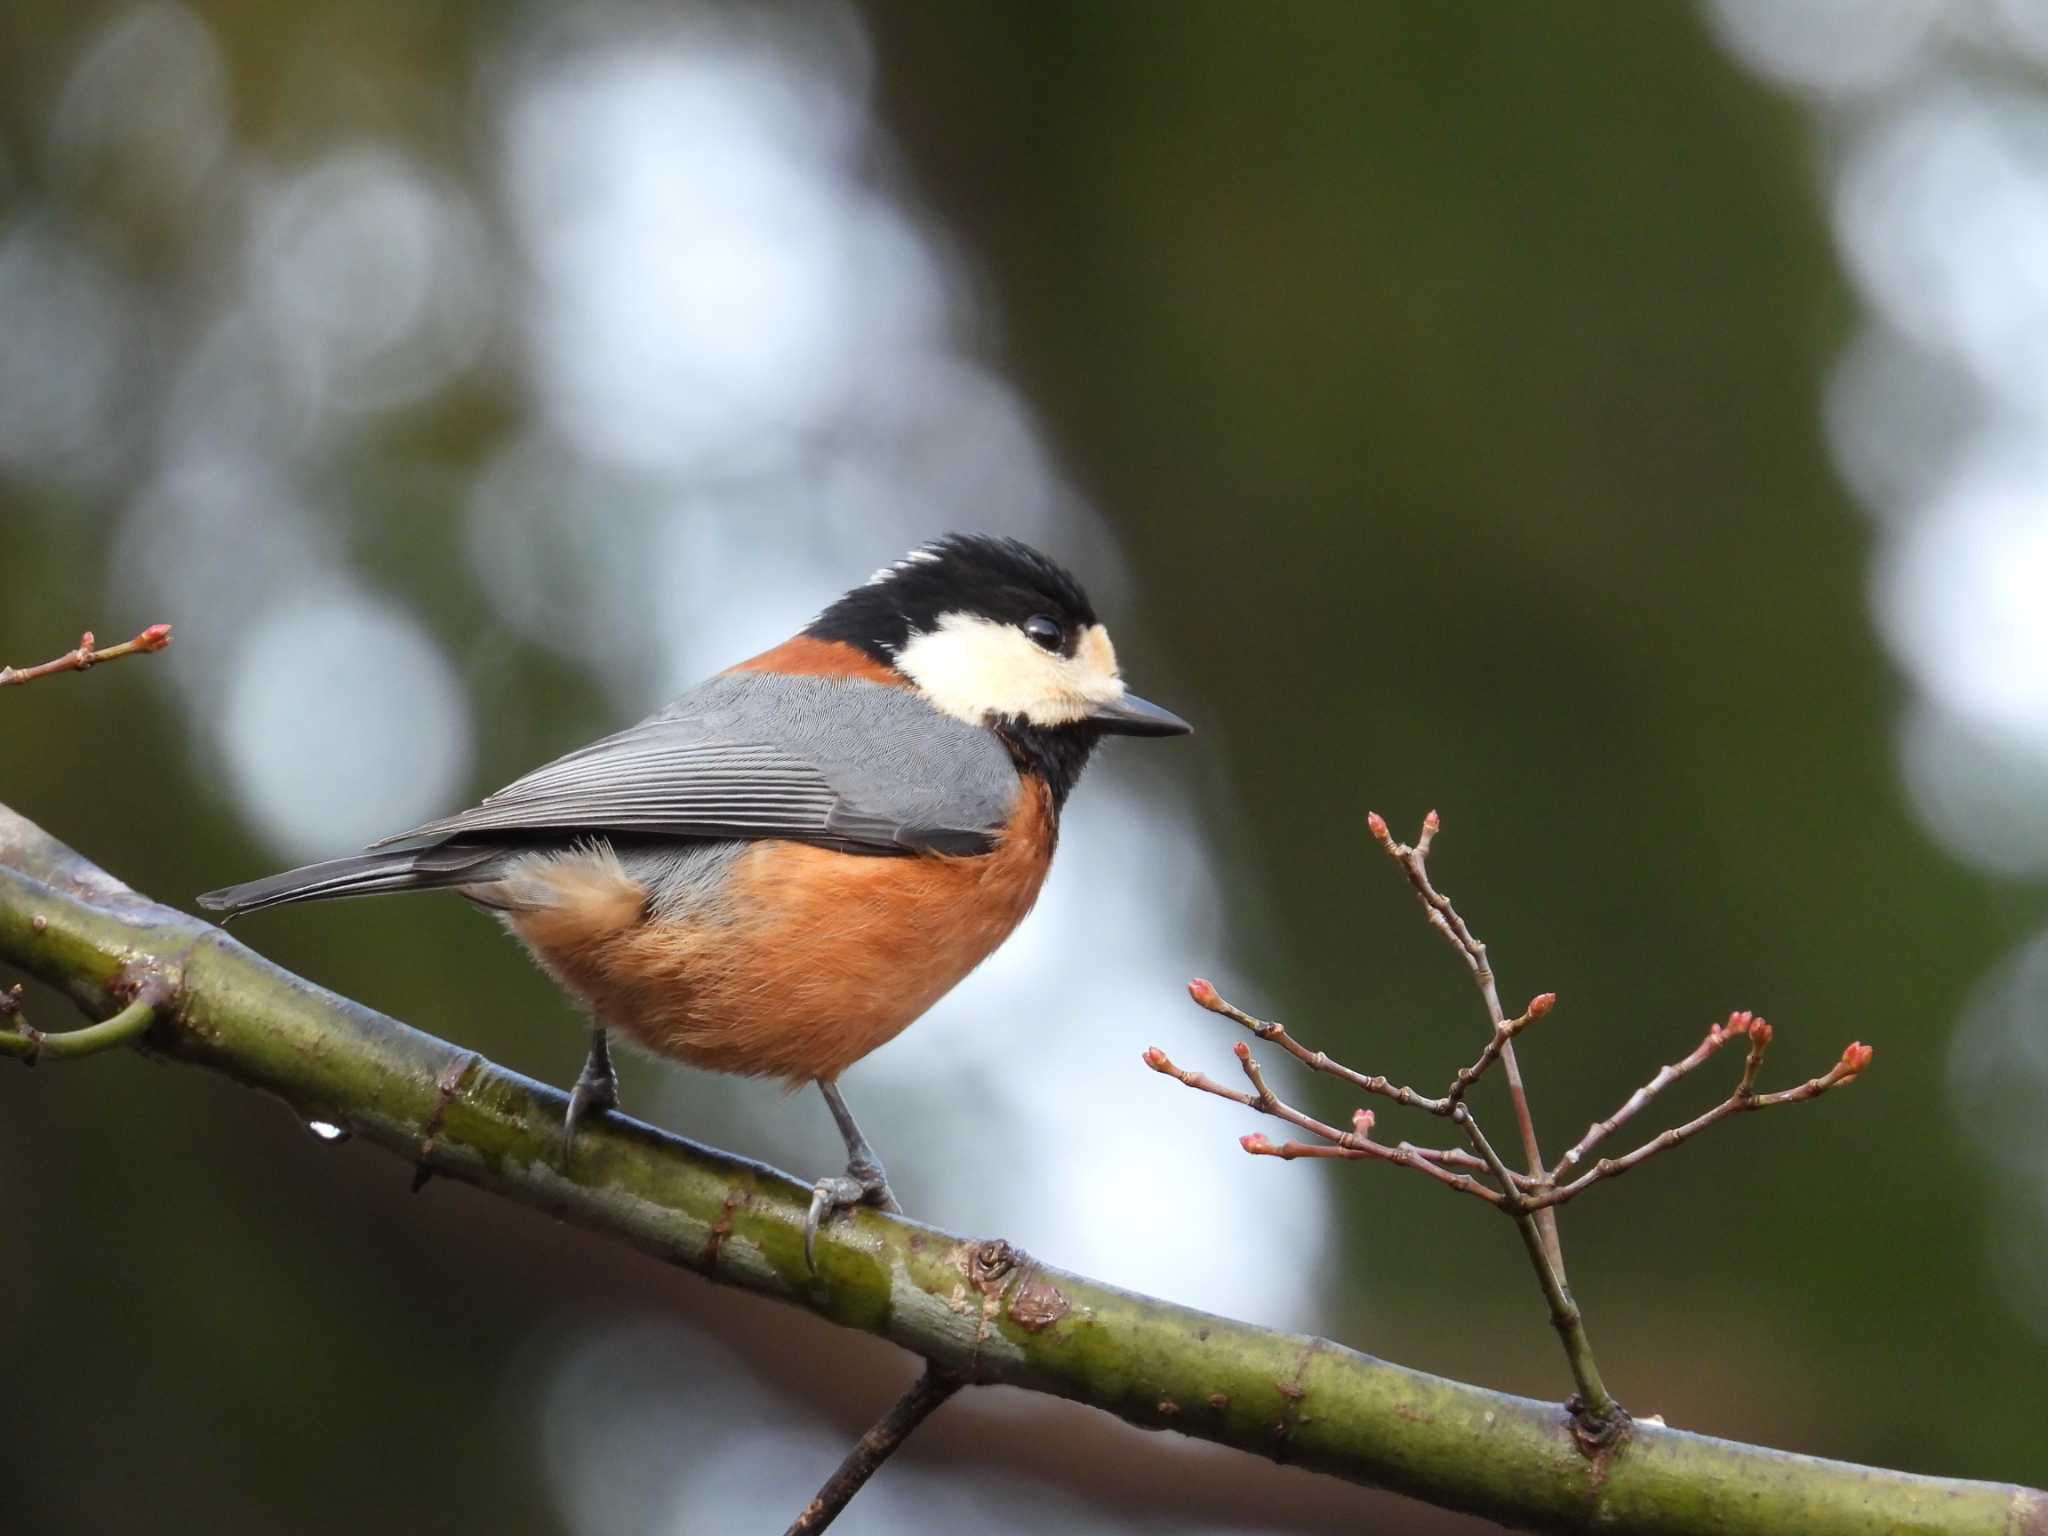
<point>1627,432</point>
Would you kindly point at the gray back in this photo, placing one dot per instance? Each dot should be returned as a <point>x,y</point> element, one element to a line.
<point>838,761</point>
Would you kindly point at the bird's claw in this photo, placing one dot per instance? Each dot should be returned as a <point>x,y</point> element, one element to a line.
<point>596,1091</point>
<point>861,1184</point>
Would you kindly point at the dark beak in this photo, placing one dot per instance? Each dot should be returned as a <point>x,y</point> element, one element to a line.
<point>1133,716</point>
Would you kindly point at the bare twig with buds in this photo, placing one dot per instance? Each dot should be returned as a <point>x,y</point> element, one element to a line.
<point>154,638</point>
<point>1443,917</point>
<point>1530,1198</point>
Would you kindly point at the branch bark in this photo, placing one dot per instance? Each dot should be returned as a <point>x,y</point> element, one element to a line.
<point>979,1310</point>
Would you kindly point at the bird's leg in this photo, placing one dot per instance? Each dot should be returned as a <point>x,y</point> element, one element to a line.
<point>863,1183</point>
<point>596,1090</point>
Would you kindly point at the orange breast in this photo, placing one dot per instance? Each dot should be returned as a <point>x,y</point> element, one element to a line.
<point>806,959</point>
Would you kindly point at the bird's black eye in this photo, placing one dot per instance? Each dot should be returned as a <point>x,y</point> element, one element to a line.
<point>1044,629</point>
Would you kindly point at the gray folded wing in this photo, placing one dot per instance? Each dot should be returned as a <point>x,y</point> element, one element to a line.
<point>834,761</point>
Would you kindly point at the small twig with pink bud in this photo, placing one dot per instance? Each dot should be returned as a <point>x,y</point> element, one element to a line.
<point>1854,1058</point>
<point>1529,1199</point>
<point>154,638</point>
<point>1414,863</point>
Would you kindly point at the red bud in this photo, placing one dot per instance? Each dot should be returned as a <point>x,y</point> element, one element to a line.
<point>154,638</point>
<point>1759,1031</point>
<point>1155,1058</point>
<point>1857,1056</point>
<point>1361,1122</point>
<point>1244,1052</point>
<point>1377,824</point>
<point>1205,994</point>
<point>1256,1144</point>
<point>85,641</point>
<point>1541,1004</point>
<point>1431,824</point>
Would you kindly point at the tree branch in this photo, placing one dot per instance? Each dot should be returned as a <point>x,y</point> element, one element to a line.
<point>978,1310</point>
<point>926,1395</point>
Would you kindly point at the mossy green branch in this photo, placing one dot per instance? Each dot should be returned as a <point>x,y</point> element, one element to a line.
<point>977,1308</point>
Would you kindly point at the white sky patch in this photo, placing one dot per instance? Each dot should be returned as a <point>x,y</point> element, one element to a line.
<point>1941,211</point>
<point>1827,48</point>
<point>705,178</point>
<point>333,744</point>
<point>1962,592</point>
<point>69,333</point>
<point>1977,789</point>
<point>380,270</point>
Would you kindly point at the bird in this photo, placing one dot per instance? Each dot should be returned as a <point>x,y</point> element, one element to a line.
<point>784,867</point>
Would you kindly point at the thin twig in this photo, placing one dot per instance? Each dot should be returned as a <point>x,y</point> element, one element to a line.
<point>1597,1417</point>
<point>1438,1163</point>
<point>1445,919</point>
<point>154,638</point>
<point>1269,1029</point>
<point>875,1447</point>
<point>1316,1061</point>
<point>1496,1164</point>
<point>1854,1059</point>
<point>1717,1036</point>
<point>1498,1047</point>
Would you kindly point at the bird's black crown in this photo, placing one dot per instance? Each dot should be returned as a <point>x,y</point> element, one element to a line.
<point>1001,579</point>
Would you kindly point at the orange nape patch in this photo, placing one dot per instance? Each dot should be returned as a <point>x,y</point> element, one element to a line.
<point>803,960</point>
<point>806,656</point>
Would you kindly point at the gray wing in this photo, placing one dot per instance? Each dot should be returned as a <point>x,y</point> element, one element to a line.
<point>836,761</point>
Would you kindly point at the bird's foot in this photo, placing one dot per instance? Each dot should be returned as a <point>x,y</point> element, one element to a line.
<point>863,1183</point>
<point>596,1090</point>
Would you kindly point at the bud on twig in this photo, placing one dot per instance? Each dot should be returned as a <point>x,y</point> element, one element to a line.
<point>154,638</point>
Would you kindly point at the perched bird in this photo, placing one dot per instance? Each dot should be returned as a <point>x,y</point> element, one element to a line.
<point>783,868</point>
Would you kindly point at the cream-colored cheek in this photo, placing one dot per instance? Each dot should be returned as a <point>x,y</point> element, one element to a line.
<point>1096,656</point>
<point>973,668</point>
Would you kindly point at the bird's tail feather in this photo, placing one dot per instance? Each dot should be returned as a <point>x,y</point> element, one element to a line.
<point>366,874</point>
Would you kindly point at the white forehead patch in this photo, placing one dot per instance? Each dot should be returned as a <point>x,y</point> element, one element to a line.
<point>915,557</point>
<point>973,668</point>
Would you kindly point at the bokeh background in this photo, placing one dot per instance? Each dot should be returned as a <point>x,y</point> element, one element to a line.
<point>1623,427</point>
